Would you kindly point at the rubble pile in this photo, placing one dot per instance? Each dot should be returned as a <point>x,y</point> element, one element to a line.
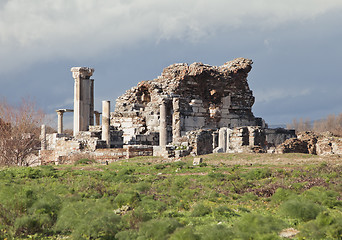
<point>312,143</point>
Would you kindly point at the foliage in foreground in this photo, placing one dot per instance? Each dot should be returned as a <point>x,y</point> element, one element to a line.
<point>146,200</point>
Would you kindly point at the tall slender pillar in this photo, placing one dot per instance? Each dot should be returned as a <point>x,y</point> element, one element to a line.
<point>223,139</point>
<point>106,122</point>
<point>91,106</point>
<point>229,132</point>
<point>43,137</point>
<point>162,126</point>
<point>97,118</point>
<point>176,120</point>
<point>83,98</point>
<point>60,121</point>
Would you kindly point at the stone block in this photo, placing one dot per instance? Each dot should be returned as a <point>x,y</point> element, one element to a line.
<point>197,161</point>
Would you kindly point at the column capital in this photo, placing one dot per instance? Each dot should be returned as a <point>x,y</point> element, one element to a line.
<point>82,72</point>
<point>64,110</point>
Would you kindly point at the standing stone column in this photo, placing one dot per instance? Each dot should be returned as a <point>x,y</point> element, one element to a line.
<point>229,132</point>
<point>91,106</point>
<point>60,121</point>
<point>106,122</point>
<point>97,118</point>
<point>162,125</point>
<point>43,137</point>
<point>215,140</point>
<point>83,98</point>
<point>223,139</point>
<point>176,120</point>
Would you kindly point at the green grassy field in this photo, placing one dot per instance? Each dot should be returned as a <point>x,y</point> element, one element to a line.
<point>228,196</point>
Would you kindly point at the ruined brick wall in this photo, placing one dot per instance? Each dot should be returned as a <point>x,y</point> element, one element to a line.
<point>209,97</point>
<point>312,143</point>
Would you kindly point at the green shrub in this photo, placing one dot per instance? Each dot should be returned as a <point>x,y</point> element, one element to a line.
<point>88,220</point>
<point>108,175</point>
<point>322,196</point>
<point>178,164</point>
<point>216,175</point>
<point>159,166</point>
<point>127,235</point>
<point>281,195</point>
<point>215,232</point>
<point>301,209</point>
<point>126,171</point>
<point>28,225</point>
<point>258,173</point>
<point>184,233</point>
<point>129,198</point>
<point>143,186</point>
<point>152,206</point>
<point>27,172</point>
<point>223,211</point>
<point>203,164</point>
<point>179,183</point>
<point>200,210</point>
<point>248,197</point>
<point>158,229</point>
<point>256,226</point>
<point>40,217</point>
<point>126,175</point>
<point>327,225</point>
<point>84,161</point>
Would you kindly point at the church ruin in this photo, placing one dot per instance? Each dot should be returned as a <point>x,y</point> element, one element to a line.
<point>190,109</point>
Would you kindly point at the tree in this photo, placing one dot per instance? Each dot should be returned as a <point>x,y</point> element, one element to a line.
<point>300,126</point>
<point>19,131</point>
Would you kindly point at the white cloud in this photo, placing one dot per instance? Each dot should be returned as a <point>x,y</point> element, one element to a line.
<point>33,31</point>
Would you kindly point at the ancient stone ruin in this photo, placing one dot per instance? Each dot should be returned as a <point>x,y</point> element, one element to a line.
<point>190,109</point>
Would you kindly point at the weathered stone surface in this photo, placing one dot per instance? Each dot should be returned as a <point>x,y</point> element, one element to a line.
<point>197,96</point>
<point>309,142</point>
<point>197,161</point>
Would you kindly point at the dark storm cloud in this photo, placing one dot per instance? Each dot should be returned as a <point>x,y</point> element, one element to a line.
<point>295,47</point>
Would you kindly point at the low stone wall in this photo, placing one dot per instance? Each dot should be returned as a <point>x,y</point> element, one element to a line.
<point>99,155</point>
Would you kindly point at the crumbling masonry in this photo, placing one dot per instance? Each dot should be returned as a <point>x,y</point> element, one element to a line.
<point>190,109</point>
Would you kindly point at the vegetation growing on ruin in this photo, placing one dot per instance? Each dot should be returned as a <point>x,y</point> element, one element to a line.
<point>228,196</point>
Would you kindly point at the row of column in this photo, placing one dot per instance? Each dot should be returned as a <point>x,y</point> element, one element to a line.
<point>105,119</point>
<point>60,115</point>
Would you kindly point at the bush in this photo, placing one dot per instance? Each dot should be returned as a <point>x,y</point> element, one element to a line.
<point>179,164</point>
<point>282,194</point>
<point>328,225</point>
<point>84,161</point>
<point>258,173</point>
<point>215,232</point>
<point>321,196</point>
<point>200,210</point>
<point>216,175</point>
<point>158,228</point>
<point>143,186</point>
<point>88,219</point>
<point>256,226</point>
<point>127,235</point>
<point>126,199</point>
<point>40,217</point>
<point>184,233</point>
<point>159,166</point>
<point>152,206</point>
<point>224,211</point>
<point>298,208</point>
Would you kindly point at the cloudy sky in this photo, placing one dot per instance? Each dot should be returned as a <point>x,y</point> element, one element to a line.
<point>296,47</point>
